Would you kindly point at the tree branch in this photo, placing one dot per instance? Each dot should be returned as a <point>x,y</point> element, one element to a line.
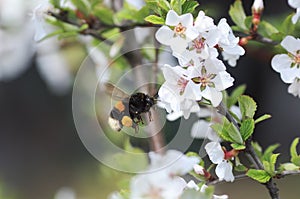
<point>244,176</point>
<point>253,158</point>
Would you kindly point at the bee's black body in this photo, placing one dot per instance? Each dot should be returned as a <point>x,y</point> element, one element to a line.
<point>127,112</point>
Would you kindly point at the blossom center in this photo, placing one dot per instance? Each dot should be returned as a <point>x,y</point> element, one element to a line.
<point>205,79</point>
<point>297,58</point>
<point>182,84</point>
<point>198,44</point>
<point>179,29</point>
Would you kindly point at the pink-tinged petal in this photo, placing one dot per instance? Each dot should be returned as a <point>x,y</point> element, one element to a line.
<point>164,35</point>
<point>172,18</point>
<point>215,152</point>
<point>291,44</point>
<point>224,171</point>
<point>294,3</point>
<point>281,62</point>
<point>187,20</point>
<point>288,75</point>
<point>199,169</point>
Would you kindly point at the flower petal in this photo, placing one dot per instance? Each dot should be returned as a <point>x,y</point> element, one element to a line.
<point>164,35</point>
<point>215,152</point>
<point>172,18</point>
<point>291,44</point>
<point>224,171</point>
<point>281,62</point>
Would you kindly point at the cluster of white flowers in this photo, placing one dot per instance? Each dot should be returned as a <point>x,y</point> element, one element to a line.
<point>163,177</point>
<point>295,4</point>
<point>201,75</point>
<point>288,65</point>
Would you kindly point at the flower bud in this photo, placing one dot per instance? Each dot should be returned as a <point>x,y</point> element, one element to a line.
<point>258,6</point>
<point>199,169</point>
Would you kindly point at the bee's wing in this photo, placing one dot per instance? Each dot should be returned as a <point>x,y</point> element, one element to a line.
<point>115,92</point>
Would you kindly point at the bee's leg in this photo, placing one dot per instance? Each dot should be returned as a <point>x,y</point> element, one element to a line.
<point>136,129</point>
<point>150,116</point>
<point>139,119</point>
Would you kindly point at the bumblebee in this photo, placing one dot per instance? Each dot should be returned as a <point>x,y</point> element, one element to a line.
<point>128,109</point>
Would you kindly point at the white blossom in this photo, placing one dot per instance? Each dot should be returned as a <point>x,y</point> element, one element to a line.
<point>162,178</point>
<point>39,19</point>
<point>217,156</point>
<point>294,88</point>
<point>231,50</point>
<point>295,4</point>
<point>175,94</point>
<point>288,65</point>
<point>156,185</point>
<point>210,80</point>
<point>181,33</point>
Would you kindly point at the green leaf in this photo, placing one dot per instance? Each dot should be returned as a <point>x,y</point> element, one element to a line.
<point>259,175</point>
<point>267,29</point>
<point>104,14</point>
<point>238,146</point>
<point>227,131</point>
<point>269,152</point>
<point>155,19</point>
<point>247,106</point>
<point>142,14</point>
<point>269,166</point>
<point>262,118</point>
<point>289,167</point>
<point>83,27</point>
<point>248,22</point>
<point>176,6</point>
<point>238,15</point>
<point>295,158</point>
<point>153,5</point>
<point>247,128</point>
<point>164,4</point>
<point>55,3</point>
<point>52,34</point>
<point>235,94</point>
<point>189,6</point>
<point>287,27</point>
<point>257,149</point>
<point>83,6</point>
